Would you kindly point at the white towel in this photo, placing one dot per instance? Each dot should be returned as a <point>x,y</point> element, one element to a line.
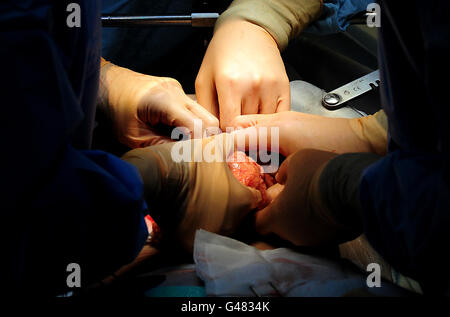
<point>232,268</point>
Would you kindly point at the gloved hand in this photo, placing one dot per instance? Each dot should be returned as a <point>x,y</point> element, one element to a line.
<point>298,214</point>
<point>136,104</point>
<point>299,131</point>
<point>309,142</point>
<point>198,192</point>
<point>242,73</point>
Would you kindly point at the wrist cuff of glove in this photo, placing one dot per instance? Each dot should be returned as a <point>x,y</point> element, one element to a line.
<point>281,19</point>
<point>165,190</point>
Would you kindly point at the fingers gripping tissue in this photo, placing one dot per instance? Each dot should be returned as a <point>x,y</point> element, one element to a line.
<point>250,174</point>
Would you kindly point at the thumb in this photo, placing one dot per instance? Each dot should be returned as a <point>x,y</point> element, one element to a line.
<point>282,174</point>
<point>182,117</point>
<point>210,122</point>
<point>256,197</point>
<point>264,220</point>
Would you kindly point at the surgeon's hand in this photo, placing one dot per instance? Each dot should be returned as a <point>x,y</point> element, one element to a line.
<point>188,186</point>
<point>298,131</point>
<point>139,104</point>
<point>297,213</point>
<point>242,73</point>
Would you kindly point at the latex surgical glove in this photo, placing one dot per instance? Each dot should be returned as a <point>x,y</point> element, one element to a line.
<point>242,73</point>
<point>138,105</point>
<point>197,191</point>
<point>297,214</point>
<point>297,131</point>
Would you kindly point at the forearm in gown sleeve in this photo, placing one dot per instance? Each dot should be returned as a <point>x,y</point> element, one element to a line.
<point>283,19</point>
<point>399,200</point>
<point>61,205</point>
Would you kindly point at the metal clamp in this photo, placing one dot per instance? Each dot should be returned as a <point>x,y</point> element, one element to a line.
<point>338,97</point>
